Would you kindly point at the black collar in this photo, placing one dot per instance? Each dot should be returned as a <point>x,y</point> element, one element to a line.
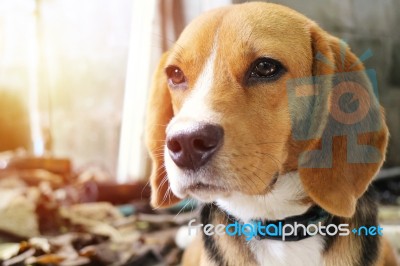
<point>314,215</point>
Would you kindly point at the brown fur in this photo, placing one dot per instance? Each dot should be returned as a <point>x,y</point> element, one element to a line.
<point>337,189</point>
<point>159,114</point>
<point>243,34</point>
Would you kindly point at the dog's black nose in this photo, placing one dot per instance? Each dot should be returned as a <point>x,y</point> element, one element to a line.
<point>193,148</point>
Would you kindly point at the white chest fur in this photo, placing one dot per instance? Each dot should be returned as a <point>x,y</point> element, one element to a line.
<point>281,202</point>
<point>307,252</point>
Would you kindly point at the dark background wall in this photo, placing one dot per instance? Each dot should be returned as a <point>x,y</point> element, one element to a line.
<point>366,24</point>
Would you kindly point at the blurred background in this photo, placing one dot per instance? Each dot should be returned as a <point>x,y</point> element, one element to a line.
<point>74,78</point>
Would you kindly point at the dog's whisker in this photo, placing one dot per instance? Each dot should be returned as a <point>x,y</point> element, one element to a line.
<point>160,168</point>
<point>254,187</point>
<point>259,178</point>
<point>145,186</point>
<point>164,180</point>
<point>159,155</point>
<point>263,182</point>
<point>184,206</point>
<point>270,156</point>
<point>262,143</point>
<point>164,199</point>
<point>167,193</point>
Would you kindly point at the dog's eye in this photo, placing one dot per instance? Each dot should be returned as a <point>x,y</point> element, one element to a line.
<point>265,69</point>
<point>176,77</point>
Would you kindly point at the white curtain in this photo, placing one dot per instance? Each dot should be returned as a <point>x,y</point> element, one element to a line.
<point>155,26</point>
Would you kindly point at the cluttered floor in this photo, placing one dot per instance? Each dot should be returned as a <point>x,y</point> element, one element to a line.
<point>50,215</point>
<point>53,215</point>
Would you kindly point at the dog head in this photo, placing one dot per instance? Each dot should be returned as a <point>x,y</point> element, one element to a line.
<point>229,99</point>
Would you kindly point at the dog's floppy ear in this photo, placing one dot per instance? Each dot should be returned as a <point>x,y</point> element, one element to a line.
<point>159,113</point>
<point>345,127</point>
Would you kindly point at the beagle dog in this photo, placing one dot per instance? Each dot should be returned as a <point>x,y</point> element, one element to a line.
<point>263,116</point>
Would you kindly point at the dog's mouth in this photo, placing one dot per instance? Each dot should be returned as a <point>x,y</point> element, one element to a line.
<point>202,186</point>
<point>205,192</point>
